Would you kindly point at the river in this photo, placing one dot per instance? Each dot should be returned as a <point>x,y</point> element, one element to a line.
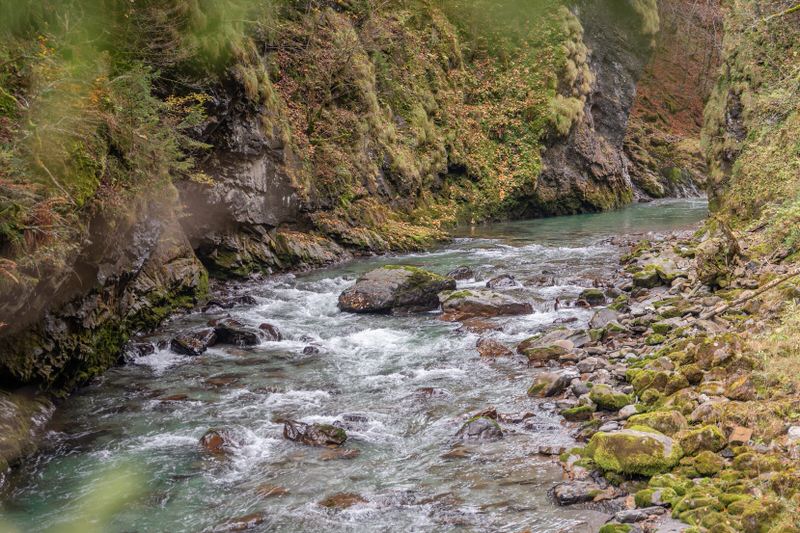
<point>118,457</point>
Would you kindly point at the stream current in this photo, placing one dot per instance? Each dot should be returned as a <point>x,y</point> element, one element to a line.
<point>119,457</point>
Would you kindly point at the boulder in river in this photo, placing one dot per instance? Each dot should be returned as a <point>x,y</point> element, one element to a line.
<point>473,303</point>
<point>231,331</point>
<point>461,273</point>
<point>395,289</point>
<point>314,434</point>
<point>216,441</point>
<point>505,281</point>
<point>194,342</point>
<point>270,332</point>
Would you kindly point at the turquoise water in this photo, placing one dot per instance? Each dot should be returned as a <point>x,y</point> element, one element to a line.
<point>119,458</point>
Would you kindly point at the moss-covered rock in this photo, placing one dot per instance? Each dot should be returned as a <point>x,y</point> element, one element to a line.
<point>579,413</point>
<point>637,451</point>
<point>395,288</point>
<point>708,463</point>
<point>608,399</point>
<point>705,438</point>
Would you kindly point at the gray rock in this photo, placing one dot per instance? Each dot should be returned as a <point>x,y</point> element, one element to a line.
<point>629,516</point>
<point>602,318</point>
<point>548,384</point>
<point>572,492</point>
<point>395,289</point>
<point>475,303</point>
<point>506,281</point>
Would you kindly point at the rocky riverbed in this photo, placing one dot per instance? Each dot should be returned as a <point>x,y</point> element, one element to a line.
<point>278,407</point>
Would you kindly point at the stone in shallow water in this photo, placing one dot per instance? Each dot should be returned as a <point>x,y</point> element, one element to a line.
<point>480,428</point>
<point>194,343</point>
<point>343,500</point>
<point>505,281</point>
<point>492,348</point>
<point>217,441</point>
<point>548,384</point>
<point>314,434</point>
<point>395,289</point>
<point>243,523</point>
<point>270,332</point>
<point>268,490</point>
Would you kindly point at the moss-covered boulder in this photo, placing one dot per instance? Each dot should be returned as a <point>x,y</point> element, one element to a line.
<point>593,296</point>
<point>608,399</point>
<point>667,422</point>
<point>635,451</point>
<point>579,413</point>
<point>395,289</point>
<point>705,438</point>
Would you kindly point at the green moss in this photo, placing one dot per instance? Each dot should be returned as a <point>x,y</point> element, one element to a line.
<point>616,528</point>
<point>655,339</point>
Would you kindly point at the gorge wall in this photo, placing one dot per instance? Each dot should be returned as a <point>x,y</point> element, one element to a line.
<point>321,130</point>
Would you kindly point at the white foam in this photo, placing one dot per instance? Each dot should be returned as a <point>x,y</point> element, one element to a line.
<point>161,360</point>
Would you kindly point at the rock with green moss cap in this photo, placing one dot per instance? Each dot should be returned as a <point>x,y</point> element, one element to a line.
<point>579,413</point>
<point>475,303</point>
<point>608,399</point>
<point>705,438</point>
<point>616,528</point>
<point>593,296</point>
<point>395,289</point>
<point>635,451</point>
<point>708,463</point>
<point>667,422</point>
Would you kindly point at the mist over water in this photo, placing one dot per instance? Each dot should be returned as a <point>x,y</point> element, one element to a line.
<point>401,386</point>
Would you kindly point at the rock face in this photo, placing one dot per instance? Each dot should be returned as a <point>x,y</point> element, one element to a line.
<point>69,323</point>
<point>588,170</point>
<point>474,303</point>
<point>314,434</point>
<point>22,417</point>
<point>395,289</point>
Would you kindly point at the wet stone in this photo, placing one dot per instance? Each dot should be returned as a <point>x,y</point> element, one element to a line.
<point>343,500</point>
<point>268,490</point>
<point>314,434</point>
<point>480,428</point>
<point>231,331</point>
<point>194,343</point>
<point>270,332</point>
<point>243,523</point>
<point>506,281</point>
<point>492,348</point>
<point>217,441</point>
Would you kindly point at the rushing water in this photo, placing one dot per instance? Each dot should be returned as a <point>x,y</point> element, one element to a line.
<point>401,386</point>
